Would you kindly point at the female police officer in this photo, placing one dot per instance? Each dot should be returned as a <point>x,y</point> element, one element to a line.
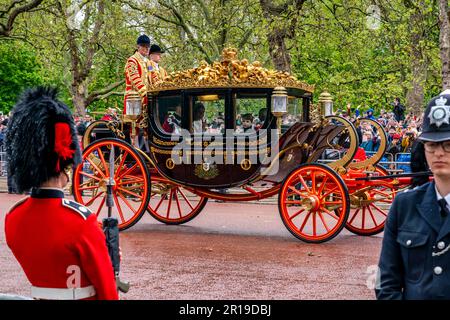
<point>58,242</point>
<point>415,255</point>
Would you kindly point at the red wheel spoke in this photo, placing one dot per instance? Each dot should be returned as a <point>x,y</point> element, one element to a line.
<point>122,162</point>
<point>292,202</point>
<point>178,203</point>
<point>137,180</point>
<point>126,202</point>
<point>186,199</point>
<point>89,188</point>
<point>304,222</point>
<point>296,214</point>
<point>90,176</point>
<point>96,167</point>
<point>160,202</point>
<point>313,181</point>
<point>303,183</point>
<point>330,214</point>
<point>323,221</point>
<point>127,171</point>
<point>354,216</point>
<point>363,220</point>
<point>101,206</point>
<point>314,223</point>
<point>87,204</point>
<point>119,208</point>
<point>130,193</point>
<point>332,202</point>
<point>373,218</point>
<point>170,204</point>
<point>296,192</point>
<point>329,192</point>
<point>378,209</point>
<point>322,185</point>
<point>102,159</point>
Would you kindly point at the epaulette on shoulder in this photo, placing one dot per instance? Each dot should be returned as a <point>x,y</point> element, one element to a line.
<point>422,187</point>
<point>18,203</point>
<point>78,208</point>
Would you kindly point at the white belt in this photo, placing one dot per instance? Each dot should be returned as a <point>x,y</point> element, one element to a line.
<point>62,294</point>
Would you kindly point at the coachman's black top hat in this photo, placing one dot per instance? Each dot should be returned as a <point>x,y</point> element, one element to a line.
<point>156,49</point>
<point>143,39</point>
<point>41,140</point>
<point>436,122</point>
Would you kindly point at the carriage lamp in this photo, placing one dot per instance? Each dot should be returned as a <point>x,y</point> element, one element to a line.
<point>279,104</point>
<point>326,103</point>
<point>134,107</point>
<point>132,113</point>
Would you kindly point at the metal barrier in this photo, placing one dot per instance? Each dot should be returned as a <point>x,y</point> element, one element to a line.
<point>3,171</point>
<point>398,164</point>
<point>403,161</point>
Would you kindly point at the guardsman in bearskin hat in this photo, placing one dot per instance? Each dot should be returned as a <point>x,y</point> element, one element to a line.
<point>415,256</point>
<point>136,71</point>
<point>58,242</point>
<point>157,73</point>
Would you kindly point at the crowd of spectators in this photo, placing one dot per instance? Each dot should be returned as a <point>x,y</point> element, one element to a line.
<point>401,130</point>
<point>3,127</point>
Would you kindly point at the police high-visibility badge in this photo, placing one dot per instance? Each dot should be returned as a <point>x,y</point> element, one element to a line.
<point>440,113</point>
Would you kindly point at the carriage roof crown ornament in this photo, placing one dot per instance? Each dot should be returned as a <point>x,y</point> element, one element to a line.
<point>229,72</point>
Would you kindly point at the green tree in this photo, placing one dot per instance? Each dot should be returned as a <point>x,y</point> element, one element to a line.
<point>19,69</point>
<point>11,10</point>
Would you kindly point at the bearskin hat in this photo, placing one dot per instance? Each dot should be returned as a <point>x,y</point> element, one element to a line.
<point>41,140</point>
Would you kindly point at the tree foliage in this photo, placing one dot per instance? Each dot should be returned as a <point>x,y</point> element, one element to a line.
<point>19,69</point>
<point>82,45</point>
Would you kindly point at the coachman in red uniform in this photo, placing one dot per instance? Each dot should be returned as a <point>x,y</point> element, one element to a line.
<point>136,71</point>
<point>58,242</point>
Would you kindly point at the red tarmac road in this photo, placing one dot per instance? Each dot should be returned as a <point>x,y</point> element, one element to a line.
<point>230,251</point>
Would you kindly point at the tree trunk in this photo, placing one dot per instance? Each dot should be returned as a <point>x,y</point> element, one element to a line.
<point>79,94</point>
<point>415,94</point>
<point>279,31</point>
<point>281,57</point>
<point>444,43</point>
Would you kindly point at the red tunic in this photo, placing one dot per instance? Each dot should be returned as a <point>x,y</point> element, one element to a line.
<point>136,78</point>
<point>50,238</point>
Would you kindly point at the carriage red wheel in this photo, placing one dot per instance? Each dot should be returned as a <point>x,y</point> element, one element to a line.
<point>314,203</point>
<point>131,191</point>
<point>370,207</point>
<point>173,204</point>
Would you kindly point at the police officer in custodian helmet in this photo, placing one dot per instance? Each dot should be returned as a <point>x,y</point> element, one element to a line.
<point>415,255</point>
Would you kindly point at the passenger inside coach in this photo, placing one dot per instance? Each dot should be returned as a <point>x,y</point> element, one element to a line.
<point>172,122</point>
<point>199,122</point>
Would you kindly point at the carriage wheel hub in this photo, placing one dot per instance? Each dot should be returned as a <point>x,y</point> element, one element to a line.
<point>362,200</point>
<point>311,203</point>
<point>104,183</point>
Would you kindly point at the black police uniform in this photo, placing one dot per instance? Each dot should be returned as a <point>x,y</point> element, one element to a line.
<point>415,256</point>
